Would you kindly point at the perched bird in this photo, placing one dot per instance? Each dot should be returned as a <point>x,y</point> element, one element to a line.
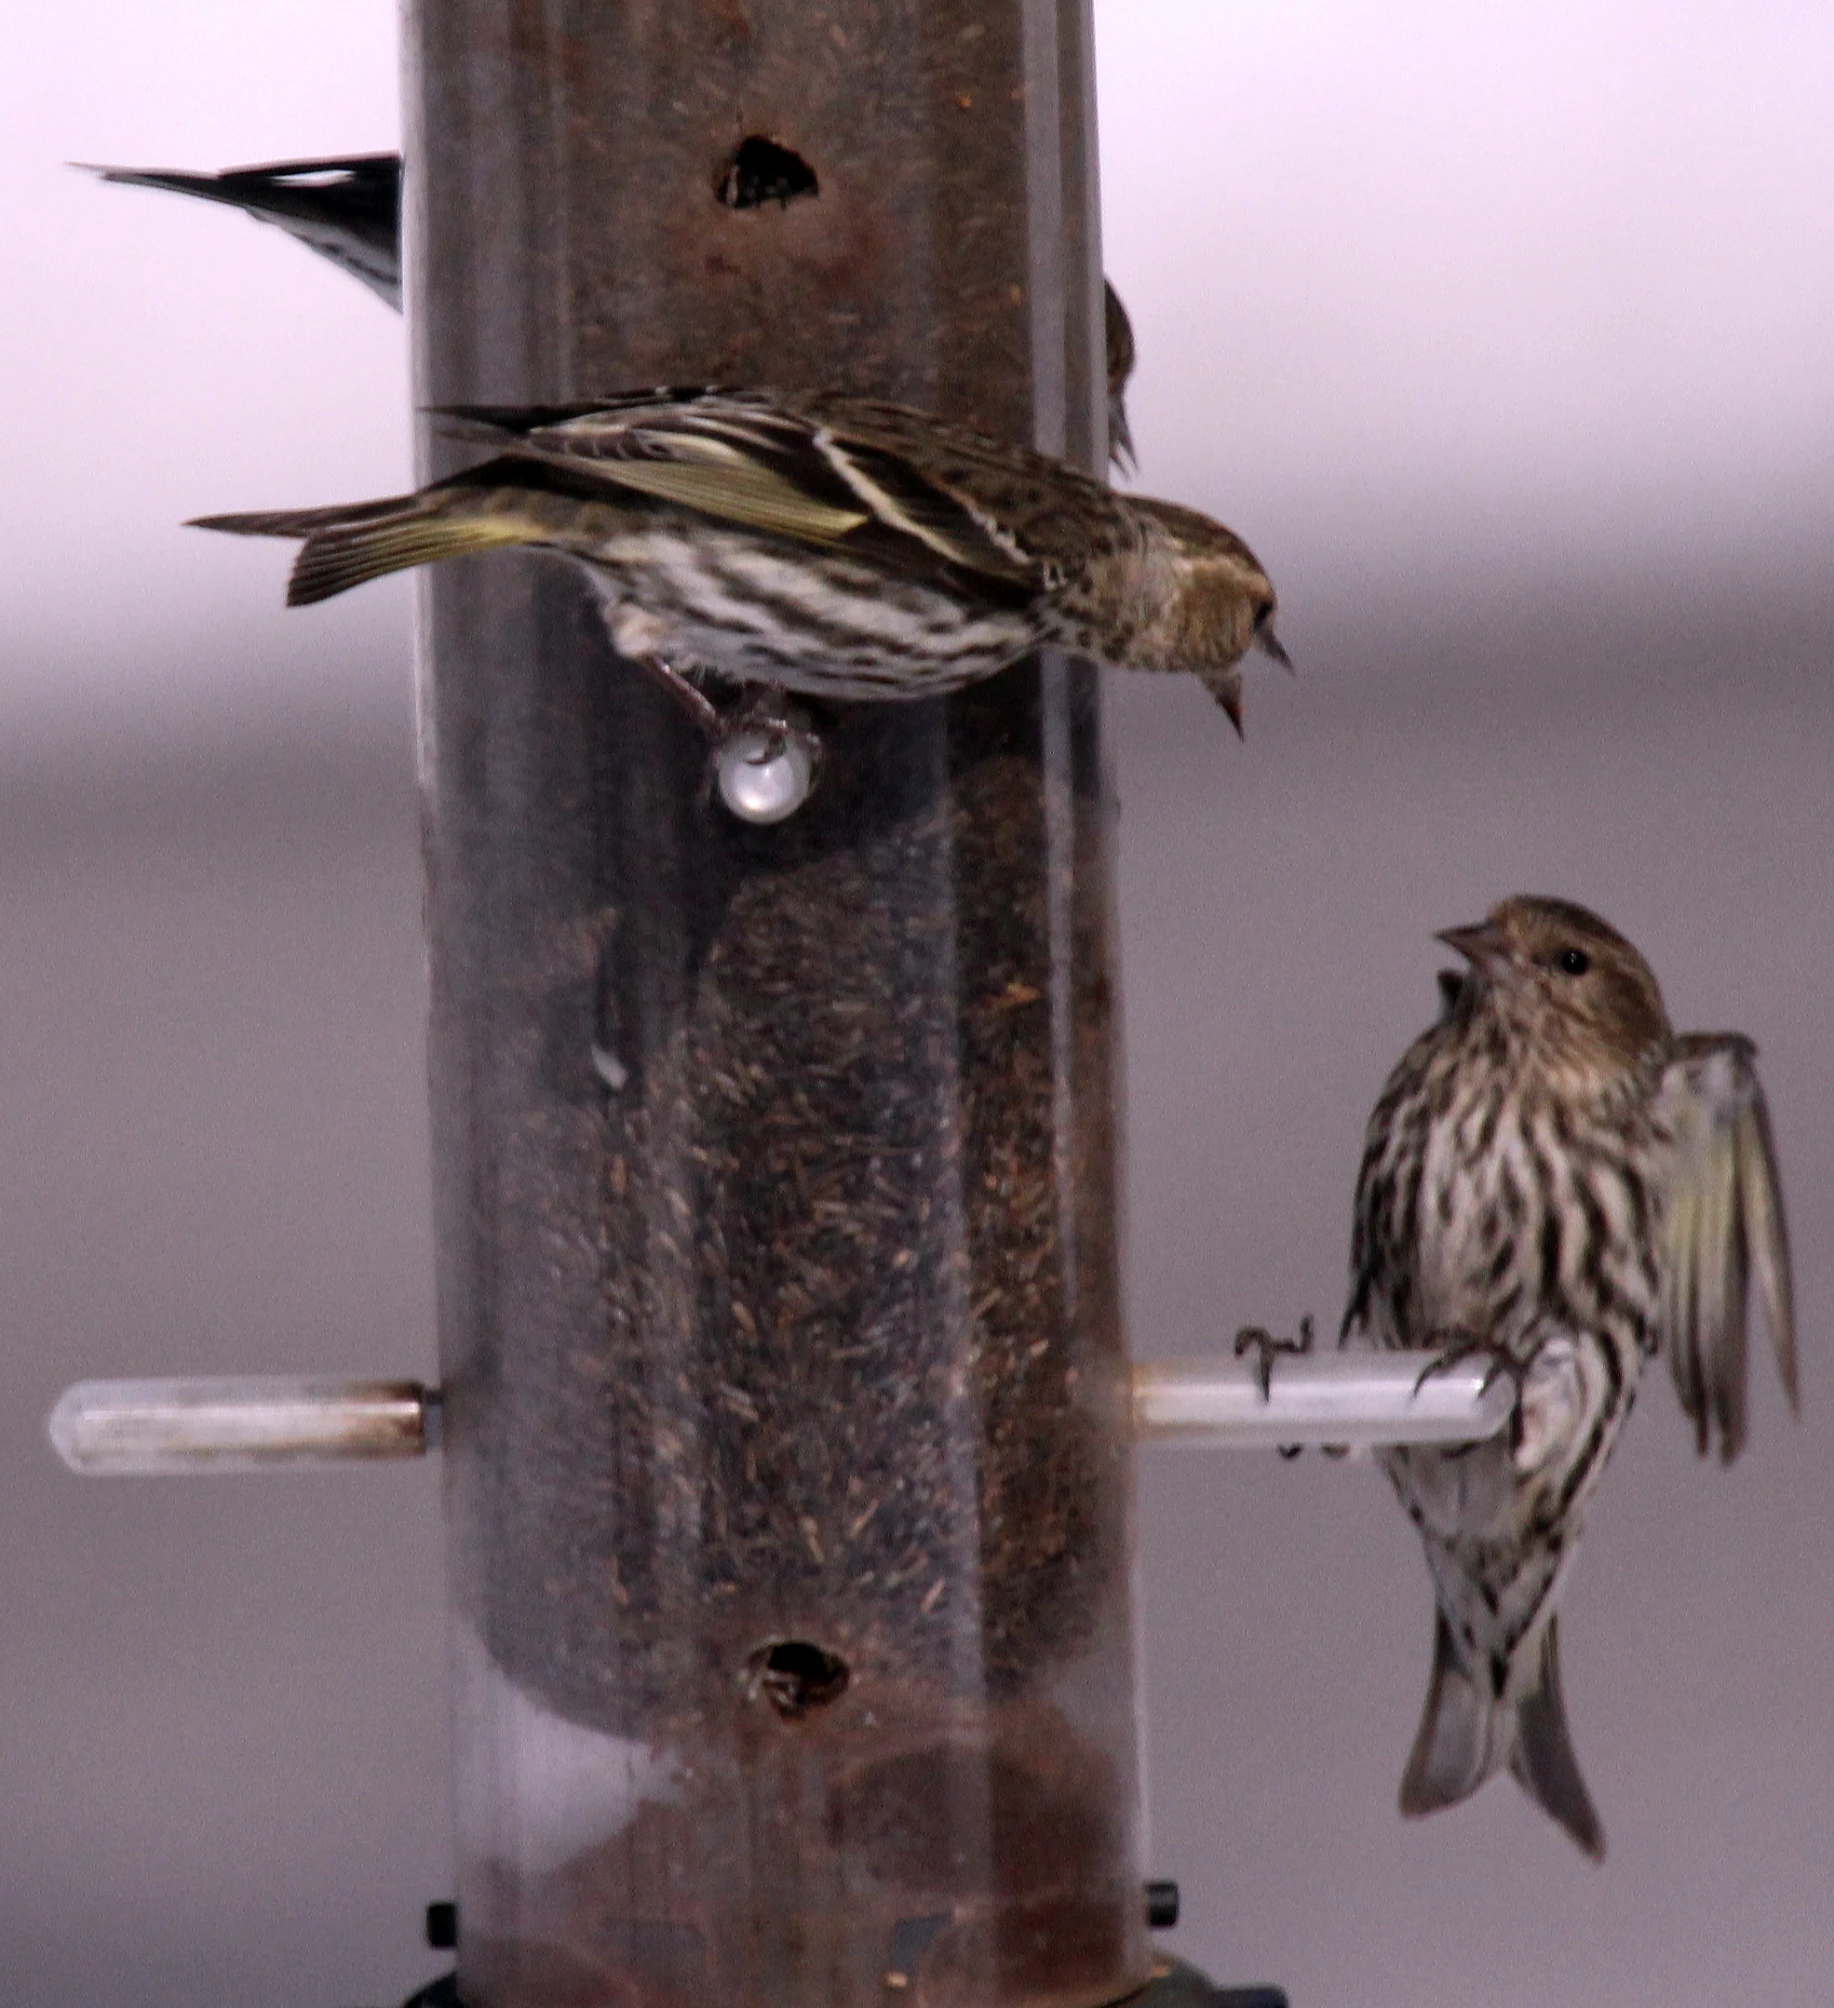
<point>832,546</point>
<point>349,210</point>
<point>1556,1179</point>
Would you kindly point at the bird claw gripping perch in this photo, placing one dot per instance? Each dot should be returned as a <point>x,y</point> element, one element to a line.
<point>764,752</point>
<point>765,715</point>
<point>1258,1340</point>
<point>766,757</point>
<point>1460,1346</point>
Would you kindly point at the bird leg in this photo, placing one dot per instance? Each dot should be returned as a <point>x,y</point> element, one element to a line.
<point>762,708</point>
<point>1258,1340</point>
<point>698,705</point>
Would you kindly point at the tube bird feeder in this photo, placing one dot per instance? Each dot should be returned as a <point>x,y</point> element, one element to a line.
<point>787,1422</point>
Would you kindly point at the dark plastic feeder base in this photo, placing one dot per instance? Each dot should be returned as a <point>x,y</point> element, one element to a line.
<point>1173,1985</point>
<point>1177,1985</point>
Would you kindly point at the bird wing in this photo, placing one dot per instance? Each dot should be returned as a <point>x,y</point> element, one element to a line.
<point>1725,1231</point>
<point>833,471</point>
<point>973,490</point>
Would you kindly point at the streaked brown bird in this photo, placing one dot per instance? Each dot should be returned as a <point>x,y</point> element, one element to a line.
<point>349,210</point>
<point>832,546</point>
<point>1556,1179</point>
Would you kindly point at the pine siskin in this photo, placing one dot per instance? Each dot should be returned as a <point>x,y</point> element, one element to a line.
<point>1554,1177</point>
<point>349,210</point>
<point>828,545</point>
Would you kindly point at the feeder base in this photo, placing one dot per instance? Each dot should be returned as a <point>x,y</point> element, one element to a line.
<point>1173,1985</point>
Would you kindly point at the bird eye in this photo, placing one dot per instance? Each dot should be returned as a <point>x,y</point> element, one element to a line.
<point>1262,612</point>
<point>1575,961</point>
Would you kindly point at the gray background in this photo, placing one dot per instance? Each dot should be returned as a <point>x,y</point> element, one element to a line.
<point>1506,338</point>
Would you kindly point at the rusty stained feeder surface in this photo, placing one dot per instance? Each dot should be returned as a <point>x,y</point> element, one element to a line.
<point>787,1419</point>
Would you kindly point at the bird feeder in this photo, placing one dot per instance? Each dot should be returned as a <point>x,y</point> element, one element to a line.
<point>786,1408</point>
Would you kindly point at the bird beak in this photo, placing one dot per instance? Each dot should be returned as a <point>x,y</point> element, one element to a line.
<point>1225,685</point>
<point>1121,439</point>
<point>1269,644</point>
<point>1481,945</point>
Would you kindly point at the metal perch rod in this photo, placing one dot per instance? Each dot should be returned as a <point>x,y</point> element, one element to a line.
<point>128,1428</point>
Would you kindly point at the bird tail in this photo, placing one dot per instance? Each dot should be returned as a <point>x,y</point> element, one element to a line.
<point>349,545</point>
<point>1465,1739</point>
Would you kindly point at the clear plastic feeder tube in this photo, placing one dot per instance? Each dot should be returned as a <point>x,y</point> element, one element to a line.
<point>788,1422</point>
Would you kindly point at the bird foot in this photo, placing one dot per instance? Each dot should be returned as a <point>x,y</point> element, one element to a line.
<point>766,756</point>
<point>1258,1340</point>
<point>1456,1347</point>
<point>766,712</point>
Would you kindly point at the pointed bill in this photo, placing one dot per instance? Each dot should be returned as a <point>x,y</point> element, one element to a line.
<point>1225,685</point>
<point>1480,943</point>
<point>1269,644</point>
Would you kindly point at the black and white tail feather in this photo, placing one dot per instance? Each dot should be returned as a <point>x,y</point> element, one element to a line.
<point>347,210</point>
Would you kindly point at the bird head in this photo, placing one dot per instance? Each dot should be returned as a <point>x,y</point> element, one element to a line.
<point>1211,603</point>
<point>1564,982</point>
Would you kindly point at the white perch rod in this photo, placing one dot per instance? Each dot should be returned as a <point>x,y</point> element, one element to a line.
<point>1352,1398</point>
<point>134,1428</point>
<point>129,1428</point>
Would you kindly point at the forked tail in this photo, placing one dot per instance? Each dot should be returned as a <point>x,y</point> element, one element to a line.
<point>1465,1739</point>
<point>348,546</point>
